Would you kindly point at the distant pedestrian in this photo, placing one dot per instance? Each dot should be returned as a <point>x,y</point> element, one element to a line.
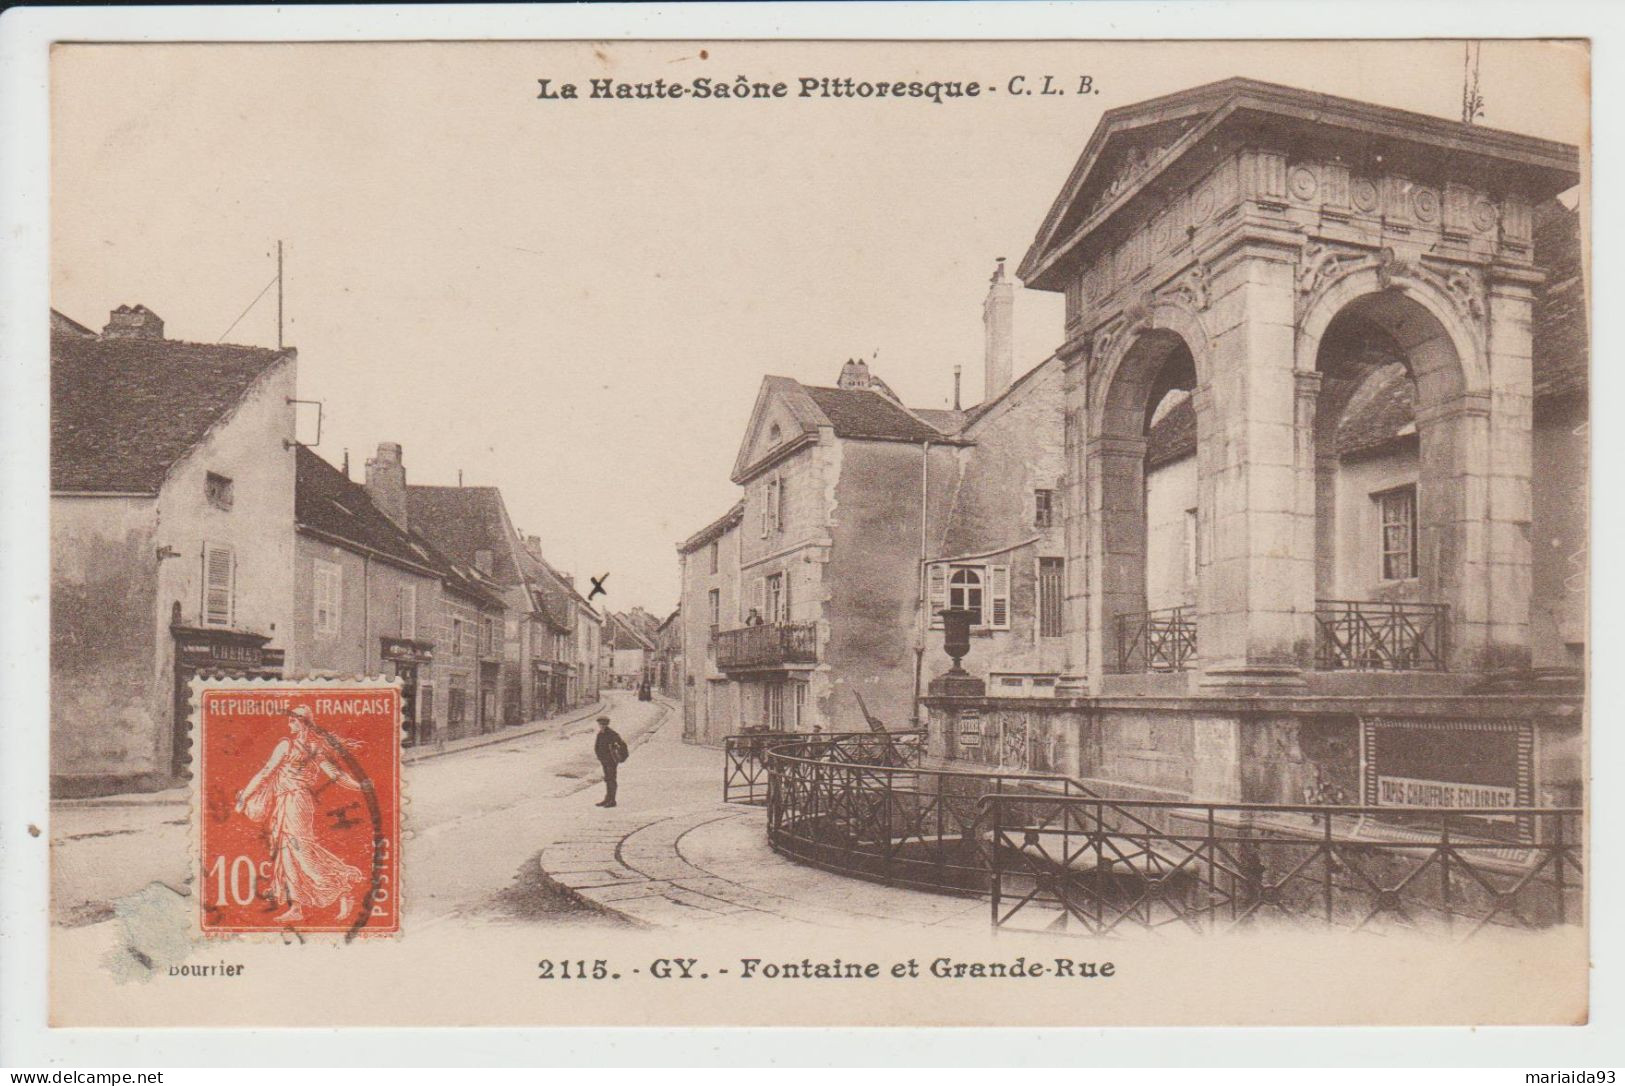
<point>611,751</point>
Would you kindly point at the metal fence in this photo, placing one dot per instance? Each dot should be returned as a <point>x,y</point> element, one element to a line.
<point>1369,635</point>
<point>744,764</point>
<point>1097,866</point>
<point>860,807</point>
<point>1162,640</point>
<point>1052,854</point>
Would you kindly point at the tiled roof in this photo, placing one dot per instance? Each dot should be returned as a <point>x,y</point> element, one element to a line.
<point>124,411</point>
<point>945,419</point>
<point>66,325</point>
<point>1172,437</point>
<point>623,634</point>
<point>339,507</point>
<point>461,521</point>
<point>1562,353</point>
<point>714,530</point>
<point>860,413</point>
<point>1381,409</point>
<point>326,501</point>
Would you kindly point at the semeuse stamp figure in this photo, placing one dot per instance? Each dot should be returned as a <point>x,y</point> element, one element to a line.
<point>282,796</point>
<point>300,807</point>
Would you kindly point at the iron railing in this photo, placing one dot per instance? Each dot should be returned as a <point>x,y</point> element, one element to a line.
<point>744,763</point>
<point>1369,635</point>
<point>832,804</point>
<point>1096,866</point>
<point>1163,640</point>
<point>767,646</point>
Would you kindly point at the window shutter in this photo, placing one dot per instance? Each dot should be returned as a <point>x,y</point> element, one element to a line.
<point>219,576</point>
<point>936,595</point>
<point>999,596</point>
<point>779,512</point>
<point>409,611</point>
<point>761,599</point>
<point>767,506</point>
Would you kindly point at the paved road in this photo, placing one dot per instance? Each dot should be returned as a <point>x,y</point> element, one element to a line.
<point>477,817</point>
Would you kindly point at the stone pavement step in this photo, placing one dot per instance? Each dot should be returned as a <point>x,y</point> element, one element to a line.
<point>676,855</point>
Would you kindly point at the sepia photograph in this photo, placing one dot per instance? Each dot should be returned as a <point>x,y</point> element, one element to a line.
<point>819,533</point>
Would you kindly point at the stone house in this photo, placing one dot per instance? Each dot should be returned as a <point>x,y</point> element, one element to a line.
<point>375,598</point>
<point>628,651</point>
<point>471,526</point>
<point>172,545</point>
<point>565,659</point>
<point>819,608</point>
<point>710,590</point>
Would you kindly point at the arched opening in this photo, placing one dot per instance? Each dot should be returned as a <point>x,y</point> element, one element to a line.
<point>1389,436</point>
<point>1147,507</point>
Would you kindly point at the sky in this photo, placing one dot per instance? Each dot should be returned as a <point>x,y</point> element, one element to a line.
<point>576,301</point>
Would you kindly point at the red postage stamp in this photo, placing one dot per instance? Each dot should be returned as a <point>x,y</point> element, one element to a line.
<point>298,806</point>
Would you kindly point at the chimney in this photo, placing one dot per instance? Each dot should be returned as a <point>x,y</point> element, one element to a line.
<point>133,322</point>
<point>485,560</point>
<point>997,311</point>
<point>855,374</point>
<point>386,482</point>
<point>534,542</point>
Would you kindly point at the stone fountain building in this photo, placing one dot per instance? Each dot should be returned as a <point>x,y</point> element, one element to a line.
<point>1274,260</point>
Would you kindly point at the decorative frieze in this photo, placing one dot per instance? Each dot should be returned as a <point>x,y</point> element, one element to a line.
<point>1323,264</point>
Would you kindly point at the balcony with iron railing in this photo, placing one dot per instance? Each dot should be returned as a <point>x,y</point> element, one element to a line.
<point>1373,635</point>
<point>1162,640</point>
<point>1350,635</point>
<point>767,646</point>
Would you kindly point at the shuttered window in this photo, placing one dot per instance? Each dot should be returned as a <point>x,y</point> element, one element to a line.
<point>407,603</point>
<point>936,594</point>
<point>219,585</point>
<point>1050,596</point>
<point>328,580</point>
<point>998,610</point>
<point>982,590</point>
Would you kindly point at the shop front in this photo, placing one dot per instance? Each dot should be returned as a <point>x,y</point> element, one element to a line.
<point>410,660</point>
<point>202,653</point>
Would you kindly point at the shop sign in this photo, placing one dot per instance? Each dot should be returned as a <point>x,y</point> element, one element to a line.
<point>1445,795</point>
<point>1448,765</point>
<point>401,650</point>
<point>202,652</point>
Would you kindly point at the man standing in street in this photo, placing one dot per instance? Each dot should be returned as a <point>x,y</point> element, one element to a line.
<point>611,751</point>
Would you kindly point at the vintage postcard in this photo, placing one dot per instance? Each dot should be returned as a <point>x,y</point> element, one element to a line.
<point>815,533</point>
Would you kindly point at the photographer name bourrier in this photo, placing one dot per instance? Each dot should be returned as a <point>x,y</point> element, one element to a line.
<point>741,87</point>
<point>826,969</point>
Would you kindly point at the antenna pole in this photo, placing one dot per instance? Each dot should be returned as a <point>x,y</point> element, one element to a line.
<point>279,295</point>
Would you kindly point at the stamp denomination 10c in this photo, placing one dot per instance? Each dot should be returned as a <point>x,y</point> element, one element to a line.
<point>298,806</point>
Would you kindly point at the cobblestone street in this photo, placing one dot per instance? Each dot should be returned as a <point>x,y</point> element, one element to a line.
<point>504,828</point>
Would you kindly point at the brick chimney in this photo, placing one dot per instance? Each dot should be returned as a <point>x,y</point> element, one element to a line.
<point>386,482</point>
<point>997,318</point>
<point>133,322</point>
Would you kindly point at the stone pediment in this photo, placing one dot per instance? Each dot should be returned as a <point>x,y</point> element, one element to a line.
<point>1146,161</point>
<point>784,417</point>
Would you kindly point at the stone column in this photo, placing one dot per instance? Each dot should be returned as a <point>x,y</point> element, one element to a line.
<point>1255,624</point>
<point>1074,679</point>
<point>1115,472</point>
<point>1510,318</point>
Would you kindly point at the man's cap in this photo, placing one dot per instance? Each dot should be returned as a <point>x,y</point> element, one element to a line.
<point>603,720</point>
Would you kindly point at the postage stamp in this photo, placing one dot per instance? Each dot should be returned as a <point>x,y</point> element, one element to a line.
<point>298,790</point>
